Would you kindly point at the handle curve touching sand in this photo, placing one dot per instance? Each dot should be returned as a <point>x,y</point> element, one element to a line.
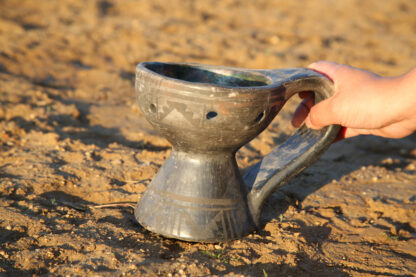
<point>299,151</point>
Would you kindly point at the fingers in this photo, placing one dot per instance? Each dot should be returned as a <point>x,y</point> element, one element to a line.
<point>303,109</point>
<point>321,115</point>
<point>345,132</point>
<point>349,133</point>
<point>341,134</point>
<point>304,94</point>
<point>315,116</point>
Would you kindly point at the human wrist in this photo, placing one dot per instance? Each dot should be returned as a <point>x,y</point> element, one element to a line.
<point>408,92</point>
<point>403,100</point>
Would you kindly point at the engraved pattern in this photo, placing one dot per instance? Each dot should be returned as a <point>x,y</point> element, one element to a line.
<point>222,220</point>
<point>193,113</point>
<point>179,110</point>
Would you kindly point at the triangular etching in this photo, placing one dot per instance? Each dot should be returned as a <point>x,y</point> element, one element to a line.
<point>182,108</point>
<point>196,229</point>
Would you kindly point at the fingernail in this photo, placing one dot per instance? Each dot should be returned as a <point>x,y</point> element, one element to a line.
<point>309,124</point>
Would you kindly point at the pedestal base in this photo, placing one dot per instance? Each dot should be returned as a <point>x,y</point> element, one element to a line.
<point>196,198</point>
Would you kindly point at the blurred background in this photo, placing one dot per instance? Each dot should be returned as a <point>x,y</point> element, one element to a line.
<point>66,39</point>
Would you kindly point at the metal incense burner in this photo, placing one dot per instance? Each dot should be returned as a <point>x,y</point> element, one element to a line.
<point>207,113</point>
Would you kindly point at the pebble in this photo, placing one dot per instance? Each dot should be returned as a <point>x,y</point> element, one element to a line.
<point>274,40</point>
<point>117,162</point>
<point>4,254</point>
<point>20,191</point>
<point>411,167</point>
<point>217,246</point>
<point>388,161</point>
<point>403,151</point>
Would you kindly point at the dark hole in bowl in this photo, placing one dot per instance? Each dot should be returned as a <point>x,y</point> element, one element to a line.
<point>211,115</point>
<point>152,108</point>
<point>259,117</point>
<point>224,77</point>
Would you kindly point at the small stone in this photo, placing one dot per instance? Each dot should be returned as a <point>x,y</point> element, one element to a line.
<point>20,191</point>
<point>4,254</point>
<point>403,151</point>
<point>217,246</point>
<point>411,167</point>
<point>274,40</point>
<point>404,234</point>
<point>117,162</point>
<point>374,179</point>
<point>8,227</point>
<point>388,161</point>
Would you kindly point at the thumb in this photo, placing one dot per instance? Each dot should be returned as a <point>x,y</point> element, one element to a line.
<point>328,69</point>
<point>321,115</point>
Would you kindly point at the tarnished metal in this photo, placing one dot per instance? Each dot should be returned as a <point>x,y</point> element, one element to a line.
<point>207,113</point>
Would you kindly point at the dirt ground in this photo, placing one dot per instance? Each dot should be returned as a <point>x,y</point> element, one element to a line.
<point>72,137</point>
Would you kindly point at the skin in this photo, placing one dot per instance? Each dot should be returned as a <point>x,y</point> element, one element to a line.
<point>363,104</point>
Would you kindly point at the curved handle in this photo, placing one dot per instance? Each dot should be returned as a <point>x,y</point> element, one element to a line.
<point>300,150</point>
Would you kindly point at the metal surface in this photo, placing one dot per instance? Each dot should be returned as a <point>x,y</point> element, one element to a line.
<point>207,113</point>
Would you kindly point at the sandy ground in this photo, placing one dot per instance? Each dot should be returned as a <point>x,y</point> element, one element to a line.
<point>72,137</point>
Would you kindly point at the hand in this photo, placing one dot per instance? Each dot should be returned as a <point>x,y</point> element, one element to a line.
<point>364,103</point>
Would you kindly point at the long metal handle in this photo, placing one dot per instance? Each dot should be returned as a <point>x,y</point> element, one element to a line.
<point>299,151</point>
